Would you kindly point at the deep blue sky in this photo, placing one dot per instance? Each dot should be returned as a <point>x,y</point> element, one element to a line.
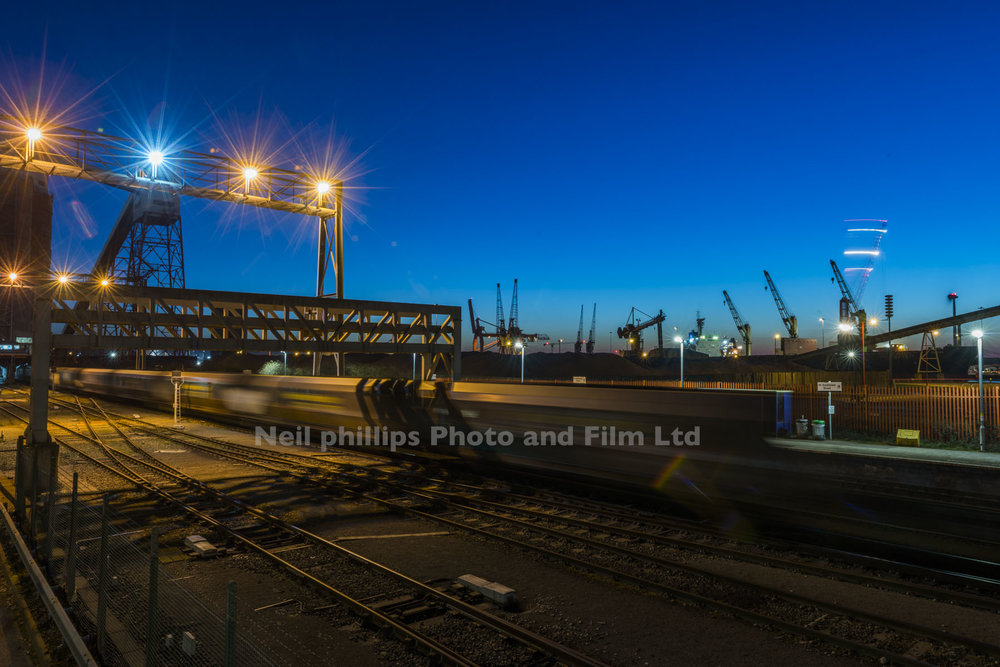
<point>625,153</point>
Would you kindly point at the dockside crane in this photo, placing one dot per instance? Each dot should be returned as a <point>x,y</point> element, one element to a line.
<point>593,326</point>
<point>790,321</point>
<point>501,324</point>
<point>741,326</point>
<point>478,331</point>
<point>578,345</point>
<point>507,333</point>
<point>849,308</point>
<point>632,331</point>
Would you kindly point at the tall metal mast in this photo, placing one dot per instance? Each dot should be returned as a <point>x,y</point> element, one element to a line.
<point>513,311</point>
<point>590,338</point>
<point>741,326</point>
<point>578,345</point>
<point>501,324</point>
<point>789,320</point>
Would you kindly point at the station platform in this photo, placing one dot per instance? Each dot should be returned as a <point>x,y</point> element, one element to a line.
<point>956,471</point>
<point>927,454</point>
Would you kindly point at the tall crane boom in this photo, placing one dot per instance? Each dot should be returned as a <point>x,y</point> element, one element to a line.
<point>513,310</point>
<point>741,326</point>
<point>789,320</point>
<point>501,324</point>
<point>578,345</point>
<point>844,289</point>
<point>590,338</point>
<point>477,330</point>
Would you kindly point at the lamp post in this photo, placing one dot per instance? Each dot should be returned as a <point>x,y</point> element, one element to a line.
<point>822,333</point>
<point>978,333</point>
<point>12,277</point>
<point>560,345</point>
<point>777,343</point>
<point>284,356</point>
<point>680,345</point>
<point>520,346</point>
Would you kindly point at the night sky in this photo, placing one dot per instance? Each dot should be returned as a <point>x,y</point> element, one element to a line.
<point>631,154</point>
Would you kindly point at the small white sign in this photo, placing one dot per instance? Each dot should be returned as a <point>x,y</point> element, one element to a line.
<point>829,386</point>
<point>24,340</point>
<point>579,379</point>
<point>830,409</point>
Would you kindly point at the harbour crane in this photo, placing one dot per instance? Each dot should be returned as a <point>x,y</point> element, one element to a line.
<point>790,321</point>
<point>478,331</point>
<point>849,308</point>
<point>850,311</point>
<point>506,333</point>
<point>632,331</point>
<point>578,345</point>
<point>593,325</point>
<point>741,326</point>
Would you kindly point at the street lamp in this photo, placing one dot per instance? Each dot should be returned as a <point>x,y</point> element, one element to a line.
<point>33,135</point>
<point>560,345</point>
<point>978,333</point>
<point>680,345</point>
<point>822,333</point>
<point>777,338</point>
<point>520,346</point>
<point>284,358</point>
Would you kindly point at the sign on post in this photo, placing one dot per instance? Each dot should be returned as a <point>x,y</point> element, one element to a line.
<point>829,388</point>
<point>579,379</point>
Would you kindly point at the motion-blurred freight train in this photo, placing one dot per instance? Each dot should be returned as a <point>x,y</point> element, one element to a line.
<point>646,437</point>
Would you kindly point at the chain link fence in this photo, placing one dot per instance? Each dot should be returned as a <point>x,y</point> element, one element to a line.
<point>127,609</point>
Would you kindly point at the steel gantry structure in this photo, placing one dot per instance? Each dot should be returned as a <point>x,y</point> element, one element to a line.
<point>130,165</point>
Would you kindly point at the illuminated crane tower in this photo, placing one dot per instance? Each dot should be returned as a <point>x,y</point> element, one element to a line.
<point>578,345</point>
<point>741,326</point>
<point>593,326</point>
<point>850,312</point>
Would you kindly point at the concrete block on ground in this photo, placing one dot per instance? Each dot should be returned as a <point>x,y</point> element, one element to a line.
<point>200,545</point>
<point>503,596</point>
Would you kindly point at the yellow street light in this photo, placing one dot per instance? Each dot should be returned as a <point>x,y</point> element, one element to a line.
<point>33,134</point>
<point>323,187</point>
<point>63,279</point>
<point>249,173</point>
<point>105,282</point>
<point>12,277</point>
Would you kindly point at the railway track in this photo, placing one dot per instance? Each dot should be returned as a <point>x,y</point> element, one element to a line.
<point>540,530</point>
<point>292,548</point>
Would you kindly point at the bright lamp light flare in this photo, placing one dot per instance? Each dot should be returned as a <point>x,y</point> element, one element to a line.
<point>155,160</point>
<point>249,173</point>
<point>33,134</point>
<point>323,187</point>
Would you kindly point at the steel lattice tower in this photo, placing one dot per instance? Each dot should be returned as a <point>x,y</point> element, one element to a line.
<point>146,246</point>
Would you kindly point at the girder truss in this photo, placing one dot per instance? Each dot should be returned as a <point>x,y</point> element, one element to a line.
<point>151,318</point>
